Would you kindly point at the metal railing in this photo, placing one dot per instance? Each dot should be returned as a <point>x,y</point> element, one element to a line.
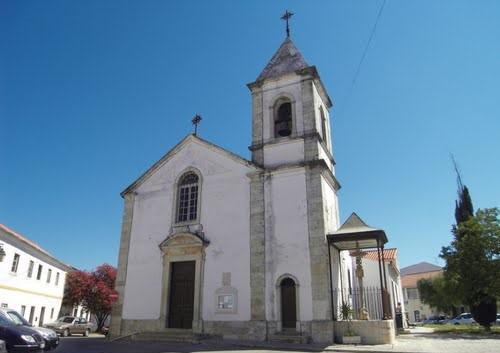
<point>369,298</point>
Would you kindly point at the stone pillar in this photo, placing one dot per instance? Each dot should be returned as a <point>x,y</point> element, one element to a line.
<point>115,328</point>
<point>257,248</point>
<point>322,324</point>
<point>257,127</point>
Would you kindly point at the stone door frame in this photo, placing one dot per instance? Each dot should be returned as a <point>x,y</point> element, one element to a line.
<point>278,301</point>
<point>177,248</point>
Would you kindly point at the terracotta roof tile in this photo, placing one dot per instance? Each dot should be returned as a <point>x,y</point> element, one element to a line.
<point>389,254</point>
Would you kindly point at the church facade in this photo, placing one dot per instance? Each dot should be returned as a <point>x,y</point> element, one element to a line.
<point>220,245</point>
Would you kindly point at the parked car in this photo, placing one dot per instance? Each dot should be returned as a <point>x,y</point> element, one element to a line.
<point>49,336</point>
<point>462,319</point>
<point>68,325</point>
<point>498,319</point>
<point>20,338</point>
<point>435,319</point>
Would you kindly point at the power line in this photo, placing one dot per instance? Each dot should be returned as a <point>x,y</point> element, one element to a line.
<point>365,51</point>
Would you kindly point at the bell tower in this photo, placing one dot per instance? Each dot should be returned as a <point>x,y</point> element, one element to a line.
<point>293,197</point>
<point>290,112</point>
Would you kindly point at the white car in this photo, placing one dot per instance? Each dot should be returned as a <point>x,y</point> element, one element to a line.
<point>462,319</point>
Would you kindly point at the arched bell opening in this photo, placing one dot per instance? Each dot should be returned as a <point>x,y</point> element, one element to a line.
<point>283,121</point>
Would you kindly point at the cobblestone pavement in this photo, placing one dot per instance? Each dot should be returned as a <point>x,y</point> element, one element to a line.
<point>425,342</point>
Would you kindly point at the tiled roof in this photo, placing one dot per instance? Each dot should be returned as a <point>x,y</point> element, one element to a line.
<point>32,244</point>
<point>420,268</point>
<point>354,224</point>
<point>389,254</point>
<point>286,60</point>
<point>23,239</point>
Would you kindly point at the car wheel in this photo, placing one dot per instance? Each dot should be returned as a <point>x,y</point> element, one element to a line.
<point>66,333</point>
<point>86,333</point>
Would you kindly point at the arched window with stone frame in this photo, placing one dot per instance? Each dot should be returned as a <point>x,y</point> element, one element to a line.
<point>283,117</point>
<point>188,191</point>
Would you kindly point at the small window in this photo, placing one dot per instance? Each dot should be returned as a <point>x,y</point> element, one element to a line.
<point>30,268</point>
<point>49,274</point>
<point>349,281</point>
<point>283,120</point>
<point>324,130</point>
<point>57,278</point>
<point>32,315</point>
<point>51,313</point>
<point>5,305</point>
<point>412,293</point>
<point>23,310</point>
<point>15,263</point>
<point>225,302</point>
<point>39,273</point>
<point>187,209</point>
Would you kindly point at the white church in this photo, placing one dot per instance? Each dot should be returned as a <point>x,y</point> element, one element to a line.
<point>222,246</point>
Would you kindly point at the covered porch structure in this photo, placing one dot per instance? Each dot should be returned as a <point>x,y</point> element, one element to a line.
<point>355,235</point>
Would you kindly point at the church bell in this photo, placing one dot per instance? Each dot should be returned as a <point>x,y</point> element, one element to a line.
<point>283,127</point>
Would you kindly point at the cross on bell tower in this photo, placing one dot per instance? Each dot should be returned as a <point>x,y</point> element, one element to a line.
<point>286,17</point>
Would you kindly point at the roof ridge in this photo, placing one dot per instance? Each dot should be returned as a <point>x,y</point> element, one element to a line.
<point>177,146</point>
<point>31,243</point>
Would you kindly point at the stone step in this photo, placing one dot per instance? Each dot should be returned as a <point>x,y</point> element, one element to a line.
<point>170,335</point>
<point>287,337</point>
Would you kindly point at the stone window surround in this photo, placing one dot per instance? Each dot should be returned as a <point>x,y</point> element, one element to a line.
<point>278,300</point>
<point>176,189</point>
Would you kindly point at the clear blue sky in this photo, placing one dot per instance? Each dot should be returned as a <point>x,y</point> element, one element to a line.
<point>93,92</point>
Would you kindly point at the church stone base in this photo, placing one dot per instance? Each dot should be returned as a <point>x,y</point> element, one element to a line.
<point>311,331</point>
<point>239,330</point>
<point>322,331</point>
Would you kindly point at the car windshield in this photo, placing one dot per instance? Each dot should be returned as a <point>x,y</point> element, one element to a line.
<point>17,318</point>
<point>66,319</point>
<point>4,321</point>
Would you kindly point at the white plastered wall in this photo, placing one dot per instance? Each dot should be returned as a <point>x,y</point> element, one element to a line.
<point>18,290</point>
<point>287,240</point>
<point>225,199</point>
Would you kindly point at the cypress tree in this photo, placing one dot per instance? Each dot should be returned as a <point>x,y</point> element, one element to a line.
<point>463,206</point>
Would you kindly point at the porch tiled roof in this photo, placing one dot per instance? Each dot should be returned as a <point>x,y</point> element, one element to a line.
<point>389,254</point>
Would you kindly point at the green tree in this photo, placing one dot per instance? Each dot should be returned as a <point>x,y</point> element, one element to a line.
<point>438,293</point>
<point>463,206</point>
<point>473,264</point>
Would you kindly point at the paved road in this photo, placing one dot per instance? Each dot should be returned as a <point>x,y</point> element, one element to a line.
<point>415,343</point>
<point>101,345</point>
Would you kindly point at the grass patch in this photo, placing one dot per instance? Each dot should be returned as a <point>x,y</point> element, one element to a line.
<point>473,329</point>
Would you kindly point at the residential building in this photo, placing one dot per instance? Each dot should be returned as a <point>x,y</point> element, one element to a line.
<point>31,279</point>
<point>417,310</point>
